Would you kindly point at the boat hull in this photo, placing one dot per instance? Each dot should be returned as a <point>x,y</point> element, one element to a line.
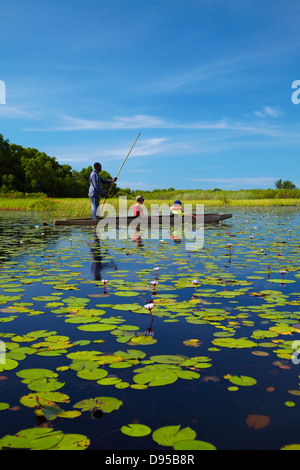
<point>208,219</point>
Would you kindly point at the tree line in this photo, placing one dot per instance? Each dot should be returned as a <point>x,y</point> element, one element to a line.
<point>28,171</point>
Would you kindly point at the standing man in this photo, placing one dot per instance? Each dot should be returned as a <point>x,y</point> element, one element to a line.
<point>95,189</point>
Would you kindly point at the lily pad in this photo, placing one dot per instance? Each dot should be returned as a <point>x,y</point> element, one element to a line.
<point>234,343</point>
<point>243,380</point>
<point>105,404</point>
<point>193,444</point>
<point>169,435</point>
<point>136,430</point>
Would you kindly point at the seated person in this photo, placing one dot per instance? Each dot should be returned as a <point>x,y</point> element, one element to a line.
<point>137,208</point>
<point>176,208</point>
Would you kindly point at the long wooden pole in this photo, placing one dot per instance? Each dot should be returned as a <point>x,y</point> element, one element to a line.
<point>118,174</point>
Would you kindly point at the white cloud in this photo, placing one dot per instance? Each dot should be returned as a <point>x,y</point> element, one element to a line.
<point>87,154</point>
<point>236,182</point>
<point>267,111</point>
<point>136,185</point>
<point>16,112</point>
<point>140,122</point>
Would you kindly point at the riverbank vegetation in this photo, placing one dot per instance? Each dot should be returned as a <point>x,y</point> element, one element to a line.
<point>30,180</point>
<point>80,207</point>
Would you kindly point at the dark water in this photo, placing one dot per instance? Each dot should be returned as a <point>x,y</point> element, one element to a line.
<point>65,262</point>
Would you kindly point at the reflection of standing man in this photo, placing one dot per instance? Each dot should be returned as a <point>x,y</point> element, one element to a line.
<point>98,264</point>
<point>95,189</point>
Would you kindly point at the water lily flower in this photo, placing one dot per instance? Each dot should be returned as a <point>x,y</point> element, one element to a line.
<point>104,281</point>
<point>282,272</point>
<point>155,269</point>
<point>149,307</point>
<point>229,245</point>
<point>195,282</point>
<point>154,283</point>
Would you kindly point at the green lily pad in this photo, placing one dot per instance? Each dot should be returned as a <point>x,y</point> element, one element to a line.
<point>136,430</point>
<point>193,444</point>
<point>127,293</point>
<point>44,439</point>
<point>105,404</point>
<point>97,327</point>
<point>155,377</point>
<point>4,406</point>
<point>243,380</point>
<point>234,343</point>
<point>94,374</point>
<point>169,435</point>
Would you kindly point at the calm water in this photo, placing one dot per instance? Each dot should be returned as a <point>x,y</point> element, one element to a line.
<point>241,295</point>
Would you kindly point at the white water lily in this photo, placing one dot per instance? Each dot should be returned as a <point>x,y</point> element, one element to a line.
<point>149,306</point>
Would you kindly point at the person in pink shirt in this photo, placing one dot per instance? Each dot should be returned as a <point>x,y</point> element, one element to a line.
<point>137,209</point>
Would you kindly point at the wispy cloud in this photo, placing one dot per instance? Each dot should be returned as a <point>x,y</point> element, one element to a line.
<point>140,121</point>
<point>267,111</point>
<point>136,170</point>
<point>215,69</point>
<point>136,185</point>
<point>240,182</point>
<point>17,112</point>
<point>143,148</point>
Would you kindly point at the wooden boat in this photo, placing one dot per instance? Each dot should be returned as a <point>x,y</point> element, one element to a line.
<point>208,219</point>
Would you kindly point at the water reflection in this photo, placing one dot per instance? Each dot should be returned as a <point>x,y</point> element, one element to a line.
<point>138,238</point>
<point>149,331</point>
<point>99,263</point>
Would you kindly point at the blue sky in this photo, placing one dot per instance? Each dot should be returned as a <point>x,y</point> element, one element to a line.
<point>208,83</point>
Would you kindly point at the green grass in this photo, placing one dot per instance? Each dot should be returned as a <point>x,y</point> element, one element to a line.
<point>80,207</point>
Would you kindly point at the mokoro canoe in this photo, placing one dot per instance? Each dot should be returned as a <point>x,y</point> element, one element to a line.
<point>208,219</point>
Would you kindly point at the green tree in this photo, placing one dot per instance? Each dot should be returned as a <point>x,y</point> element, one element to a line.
<point>6,161</point>
<point>28,170</point>
<point>285,184</point>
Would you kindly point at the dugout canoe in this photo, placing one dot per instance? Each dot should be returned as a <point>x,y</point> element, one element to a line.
<point>208,219</point>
